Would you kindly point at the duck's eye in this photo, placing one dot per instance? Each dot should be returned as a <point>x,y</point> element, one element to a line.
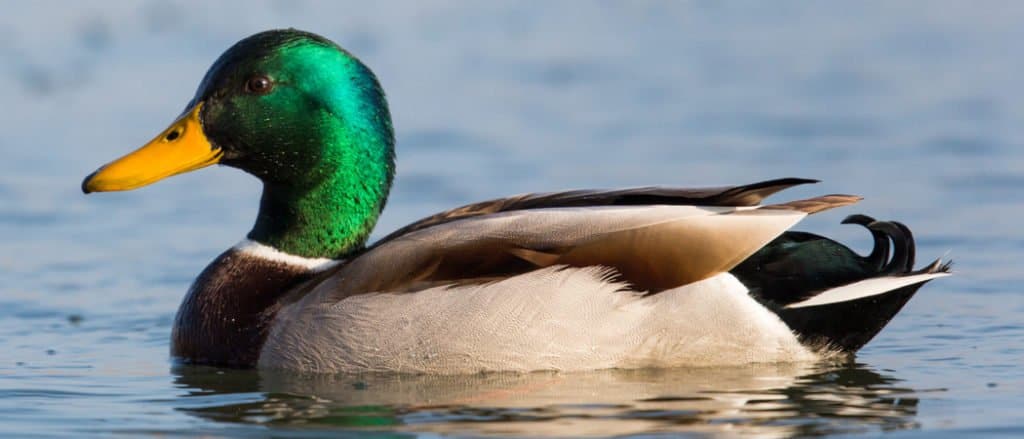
<point>258,85</point>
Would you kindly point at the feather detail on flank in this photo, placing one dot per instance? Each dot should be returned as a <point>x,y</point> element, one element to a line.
<point>262,251</point>
<point>555,318</point>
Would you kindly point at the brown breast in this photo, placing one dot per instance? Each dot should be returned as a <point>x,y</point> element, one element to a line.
<point>225,316</point>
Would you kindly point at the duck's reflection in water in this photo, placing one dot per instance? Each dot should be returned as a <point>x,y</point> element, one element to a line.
<point>760,400</point>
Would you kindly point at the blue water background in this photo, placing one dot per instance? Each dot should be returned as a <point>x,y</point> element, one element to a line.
<point>917,106</point>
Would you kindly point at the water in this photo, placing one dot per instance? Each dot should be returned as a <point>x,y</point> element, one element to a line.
<point>917,106</point>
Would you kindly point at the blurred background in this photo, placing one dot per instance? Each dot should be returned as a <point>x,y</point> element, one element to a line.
<point>917,106</point>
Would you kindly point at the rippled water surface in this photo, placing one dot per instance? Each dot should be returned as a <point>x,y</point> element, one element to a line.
<point>918,106</point>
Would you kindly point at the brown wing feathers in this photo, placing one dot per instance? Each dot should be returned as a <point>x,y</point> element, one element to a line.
<point>817,204</point>
<point>651,257</point>
<point>744,195</point>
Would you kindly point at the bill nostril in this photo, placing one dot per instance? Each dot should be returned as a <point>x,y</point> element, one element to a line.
<point>172,135</point>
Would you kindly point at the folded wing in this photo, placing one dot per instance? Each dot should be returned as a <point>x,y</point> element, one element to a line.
<point>743,195</point>
<point>651,247</point>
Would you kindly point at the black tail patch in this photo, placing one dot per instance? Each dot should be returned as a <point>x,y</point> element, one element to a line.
<point>797,266</point>
<point>846,326</point>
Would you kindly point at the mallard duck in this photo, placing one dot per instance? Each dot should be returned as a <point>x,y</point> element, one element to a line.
<point>584,279</point>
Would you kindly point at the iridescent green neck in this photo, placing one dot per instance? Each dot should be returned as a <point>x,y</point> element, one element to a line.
<point>328,206</point>
<point>330,220</point>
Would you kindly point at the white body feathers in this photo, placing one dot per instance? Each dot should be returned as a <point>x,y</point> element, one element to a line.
<point>550,319</point>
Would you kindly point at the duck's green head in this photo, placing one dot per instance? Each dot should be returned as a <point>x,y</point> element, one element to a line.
<point>301,114</point>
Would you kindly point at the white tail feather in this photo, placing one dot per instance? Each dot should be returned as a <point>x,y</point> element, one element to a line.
<point>865,288</point>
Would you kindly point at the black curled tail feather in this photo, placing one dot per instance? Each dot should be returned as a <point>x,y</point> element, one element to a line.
<point>903,245</point>
<point>880,250</point>
<point>798,266</point>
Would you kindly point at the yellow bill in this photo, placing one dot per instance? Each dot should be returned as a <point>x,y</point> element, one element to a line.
<point>181,148</point>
